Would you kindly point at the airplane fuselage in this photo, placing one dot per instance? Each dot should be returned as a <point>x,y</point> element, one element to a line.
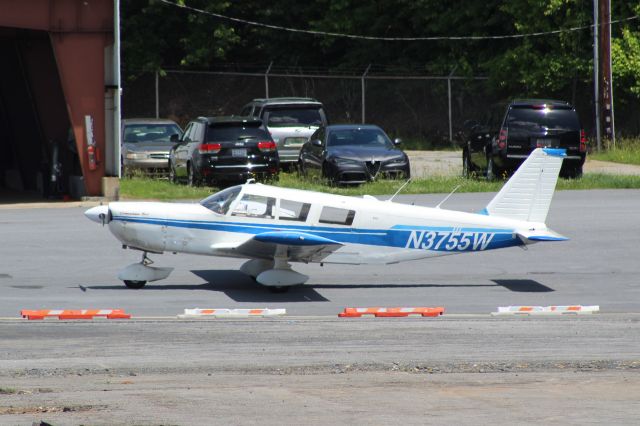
<point>381,232</point>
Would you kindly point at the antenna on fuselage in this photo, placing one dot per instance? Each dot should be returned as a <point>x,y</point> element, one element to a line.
<point>400,189</point>
<point>447,197</point>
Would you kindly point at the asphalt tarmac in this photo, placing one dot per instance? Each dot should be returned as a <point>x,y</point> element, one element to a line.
<point>56,258</point>
<point>310,366</point>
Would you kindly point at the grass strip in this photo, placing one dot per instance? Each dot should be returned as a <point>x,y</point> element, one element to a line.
<point>140,188</point>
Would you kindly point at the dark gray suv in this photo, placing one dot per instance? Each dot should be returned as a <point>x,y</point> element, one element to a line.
<point>290,121</point>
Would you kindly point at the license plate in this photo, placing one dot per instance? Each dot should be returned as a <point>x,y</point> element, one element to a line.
<point>294,141</point>
<point>547,143</point>
<point>239,152</point>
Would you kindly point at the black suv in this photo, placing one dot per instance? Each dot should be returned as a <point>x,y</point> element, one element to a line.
<point>214,149</point>
<point>528,124</point>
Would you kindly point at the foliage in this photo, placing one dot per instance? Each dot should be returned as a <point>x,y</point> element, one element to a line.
<point>625,55</point>
<point>156,36</point>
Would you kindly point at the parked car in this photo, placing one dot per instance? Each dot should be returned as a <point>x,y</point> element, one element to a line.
<point>146,143</point>
<point>526,125</point>
<point>216,149</point>
<point>353,153</point>
<point>290,121</point>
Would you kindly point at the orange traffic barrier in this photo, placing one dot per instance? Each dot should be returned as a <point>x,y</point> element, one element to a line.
<point>391,312</point>
<point>66,314</point>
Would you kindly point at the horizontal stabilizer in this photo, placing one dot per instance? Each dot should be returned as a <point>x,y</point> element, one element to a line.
<point>294,239</point>
<point>533,236</point>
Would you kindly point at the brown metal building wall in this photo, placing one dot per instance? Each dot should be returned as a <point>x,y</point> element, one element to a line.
<point>79,31</point>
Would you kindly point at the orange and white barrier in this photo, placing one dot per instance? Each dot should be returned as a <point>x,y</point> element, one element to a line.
<point>391,312</point>
<point>66,314</point>
<point>231,313</point>
<point>547,310</point>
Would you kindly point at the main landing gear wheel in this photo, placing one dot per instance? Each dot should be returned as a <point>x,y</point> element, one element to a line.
<point>134,284</point>
<point>279,289</point>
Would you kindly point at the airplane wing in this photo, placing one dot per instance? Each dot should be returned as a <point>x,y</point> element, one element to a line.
<point>295,246</point>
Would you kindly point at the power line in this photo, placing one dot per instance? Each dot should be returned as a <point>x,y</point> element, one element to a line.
<point>363,37</point>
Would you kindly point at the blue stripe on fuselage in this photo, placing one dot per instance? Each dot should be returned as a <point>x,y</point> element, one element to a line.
<point>434,238</point>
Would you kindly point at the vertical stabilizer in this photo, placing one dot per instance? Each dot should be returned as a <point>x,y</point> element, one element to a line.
<point>527,195</point>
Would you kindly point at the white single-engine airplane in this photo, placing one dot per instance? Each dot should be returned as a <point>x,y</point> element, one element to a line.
<point>274,226</point>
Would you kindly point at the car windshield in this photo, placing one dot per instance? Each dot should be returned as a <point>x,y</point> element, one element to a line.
<point>134,133</point>
<point>221,201</point>
<point>535,119</point>
<point>234,133</point>
<point>294,117</point>
<point>359,136</point>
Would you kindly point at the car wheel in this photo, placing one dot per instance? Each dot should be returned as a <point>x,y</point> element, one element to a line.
<point>572,172</point>
<point>326,174</point>
<point>466,165</point>
<point>192,180</point>
<point>491,168</point>
<point>172,174</point>
<point>301,169</point>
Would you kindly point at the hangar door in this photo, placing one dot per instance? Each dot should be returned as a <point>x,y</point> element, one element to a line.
<point>38,154</point>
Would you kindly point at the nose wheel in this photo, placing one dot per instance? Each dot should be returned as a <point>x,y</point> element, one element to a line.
<point>134,284</point>
<point>137,275</point>
<point>138,284</point>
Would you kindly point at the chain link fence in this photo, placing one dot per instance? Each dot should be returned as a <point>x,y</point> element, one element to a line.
<point>424,111</point>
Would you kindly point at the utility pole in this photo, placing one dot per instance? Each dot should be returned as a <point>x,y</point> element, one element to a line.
<point>596,74</point>
<point>606,82</point>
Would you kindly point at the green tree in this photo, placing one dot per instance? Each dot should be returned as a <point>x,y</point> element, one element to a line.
<point>156,36</point>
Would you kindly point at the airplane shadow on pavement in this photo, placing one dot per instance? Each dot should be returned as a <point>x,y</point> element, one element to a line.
<point>524,286</point>
<point>242,288</point>
<point>233,283</point>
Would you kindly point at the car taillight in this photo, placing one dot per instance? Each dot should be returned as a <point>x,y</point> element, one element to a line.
<point>583,141</point>
<point>209,148</point>
<point>266,146</point>
<point>502,139</point>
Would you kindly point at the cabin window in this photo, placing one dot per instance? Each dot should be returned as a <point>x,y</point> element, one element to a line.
<point>220,201</point>
<point>255,206</point>
<point>293,210</point>
<point>337,216</point>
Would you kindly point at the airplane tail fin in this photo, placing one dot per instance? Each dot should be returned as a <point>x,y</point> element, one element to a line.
<point>527,195</point>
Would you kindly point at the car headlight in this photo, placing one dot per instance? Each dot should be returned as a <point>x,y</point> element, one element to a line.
<point>131,155</point>
<point>399,160</point>
<point>338,160</point>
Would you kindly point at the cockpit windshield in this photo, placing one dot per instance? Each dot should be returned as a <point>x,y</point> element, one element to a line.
<point>221,201</point>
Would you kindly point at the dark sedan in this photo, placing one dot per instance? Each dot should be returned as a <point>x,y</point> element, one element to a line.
<point>353,153</point>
